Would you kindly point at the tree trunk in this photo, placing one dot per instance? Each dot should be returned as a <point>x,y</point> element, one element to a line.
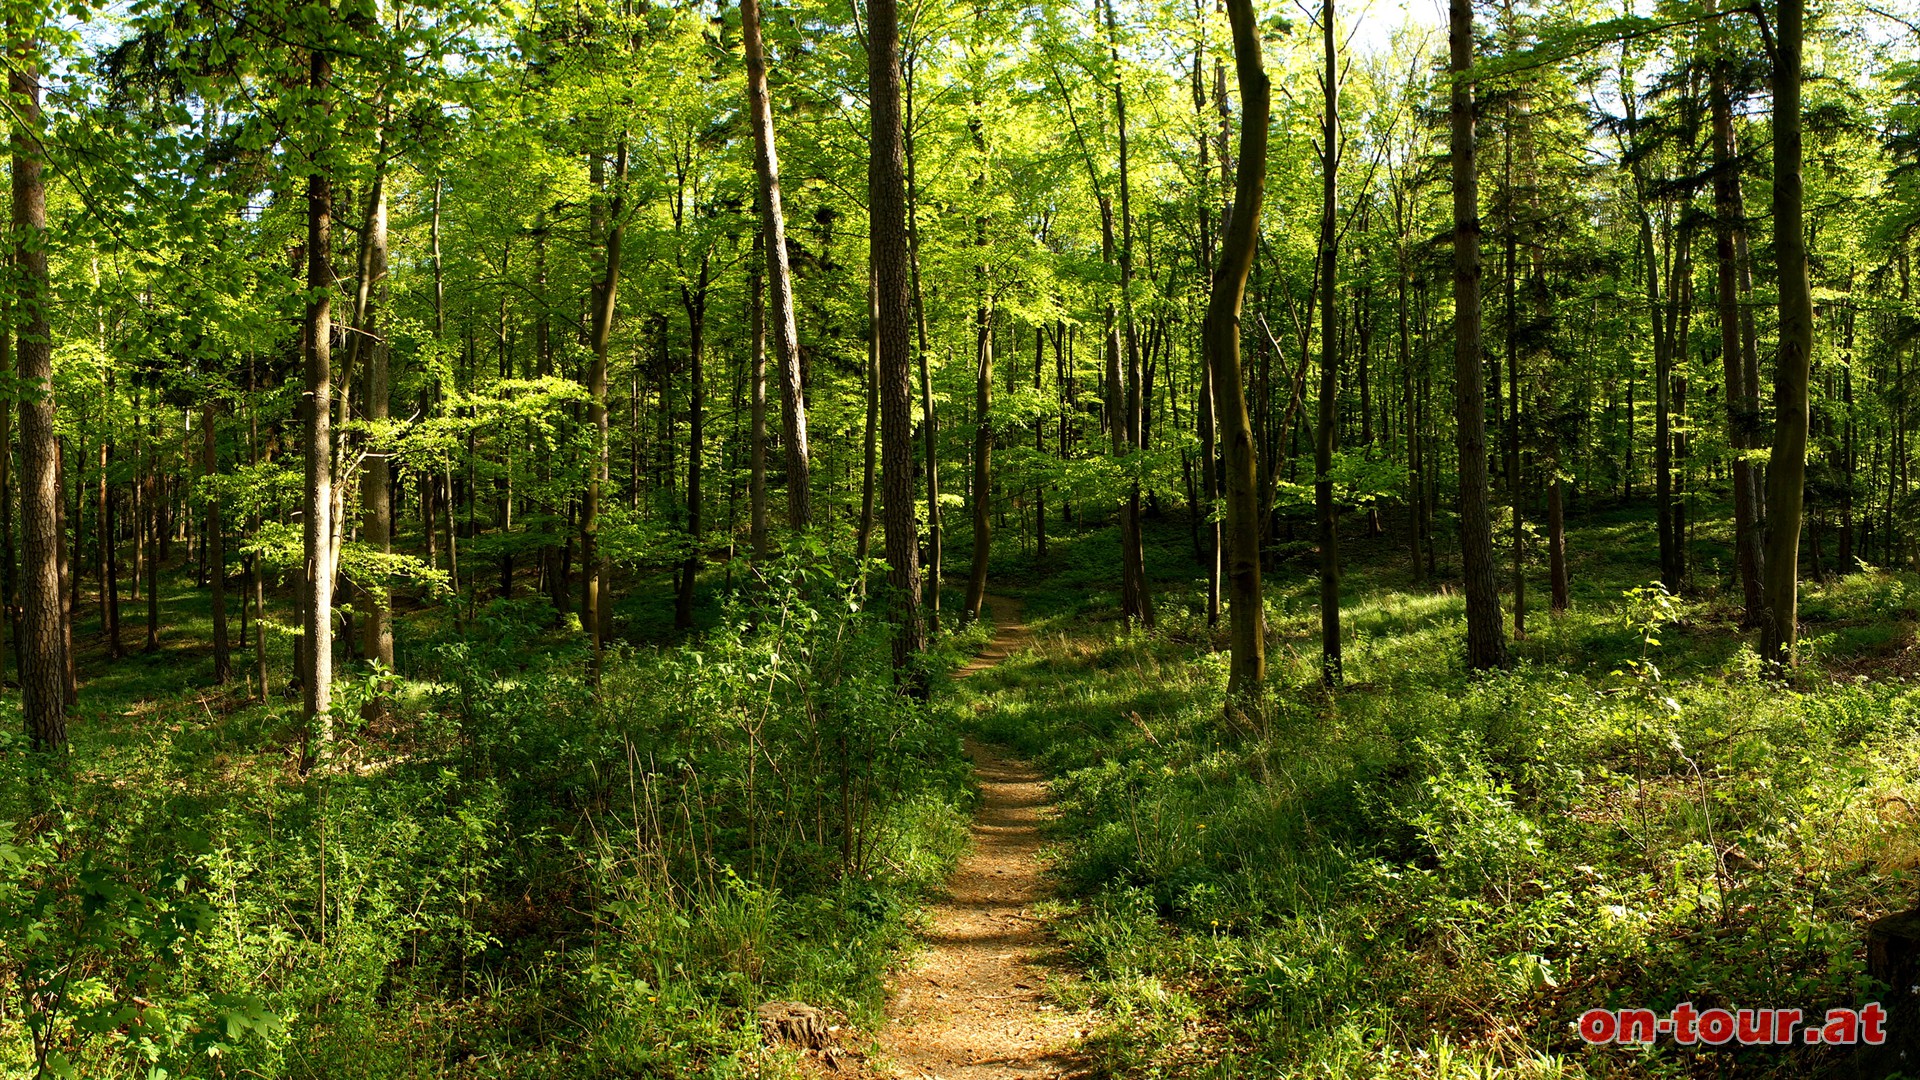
<point>757,396</point>
<point>215,547</point>
<point>597,613</point>
<point>1326,516</point>
<point>317,527</point>
<point>870,439</point>
<point>1132,548</point>
<point>1486,641</point>
<point>981,491</point>
<point>786,346</point>
<point>695,301</point>
<point>108,542</point>
<point>890,261</point>
<point>376,472</point>
<point>42,654</point>
<point>1741,405</point>
<point>1787,468</point>
<point>1247,670</point>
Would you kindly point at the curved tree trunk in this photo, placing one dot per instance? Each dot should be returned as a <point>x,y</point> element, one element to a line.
<point>1247,670</point>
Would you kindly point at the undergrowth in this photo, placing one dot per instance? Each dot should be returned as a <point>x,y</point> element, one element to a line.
<point>515,877</point>
<point>1428,874</point>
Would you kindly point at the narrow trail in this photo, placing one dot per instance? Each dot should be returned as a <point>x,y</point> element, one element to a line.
<point>973,1006</point>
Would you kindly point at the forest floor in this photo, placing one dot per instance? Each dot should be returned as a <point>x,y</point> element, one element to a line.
<point>975,1005</point>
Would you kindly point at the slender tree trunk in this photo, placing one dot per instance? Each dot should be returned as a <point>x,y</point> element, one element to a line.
<point>757,396</point>
<point>870,440</point>
<point>69,677</point>
<point>151,521</point>
<point>695,301</point>
<point>256,580</point>
<point>1247,669</point>
<point>1133,547</point>
<point>317,527</point>
<point>1326,515</point>
<point>1416,516</point>
<point>890,261</point>
<point>1742,407</point>
<point>981,492</point>
<point>786,347</point>
<point>376,472</point>
<point>1787,468</point>
<point>108,542</point>
<point>215,546</point>
<point>1486,641</point>
<point>598,608</point>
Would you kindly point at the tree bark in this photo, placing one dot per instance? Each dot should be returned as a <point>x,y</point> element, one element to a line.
<point>1787,468</point>
<point>886,198</point>
<point>1486,640</point>
<point>597,609</point>
<point>695,301</point>
<point>376,472</point>
<point>1247,669</point>
<point>215,545</point>
<point>42,653</point>
<point>317,527</point>
<point>757,396</point>
<point>1729,226</point>
<point>786,346</point>
<point>870,439</point>
<point>1326,515</point>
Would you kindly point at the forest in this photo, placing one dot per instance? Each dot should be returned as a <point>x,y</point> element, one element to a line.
<point>1054,538</point>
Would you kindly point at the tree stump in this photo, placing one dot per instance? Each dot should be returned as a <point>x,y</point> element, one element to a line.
<point>1893,952</point>
<point>1893,957</point>
<point>794,1023</point>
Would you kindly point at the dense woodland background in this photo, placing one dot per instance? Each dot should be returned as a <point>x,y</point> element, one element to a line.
<point>491,496</point>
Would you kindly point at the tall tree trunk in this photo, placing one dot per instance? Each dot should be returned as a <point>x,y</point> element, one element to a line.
<point>215,546</point>
<point>1486,640</point>
<point>1742,406</point>
<point>606,291</point>
<point>69,591</point>
<point>929,420</point>
<point>695,301</point>
<point>980,492</point>
<point>42,651</point>
<point>786,346</point>
<point>1787,468</point>
<point>1247,669</point>
<point>256,579</point>
<point>108,542</point>
<point>757,396</point>
<point>890,259</point>
<point>1132,548</point>
<point>870,439</point>
<point>376,472</point>
<point>1416,516</point>
<point>317,527</point>
<point>1326,516</point>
